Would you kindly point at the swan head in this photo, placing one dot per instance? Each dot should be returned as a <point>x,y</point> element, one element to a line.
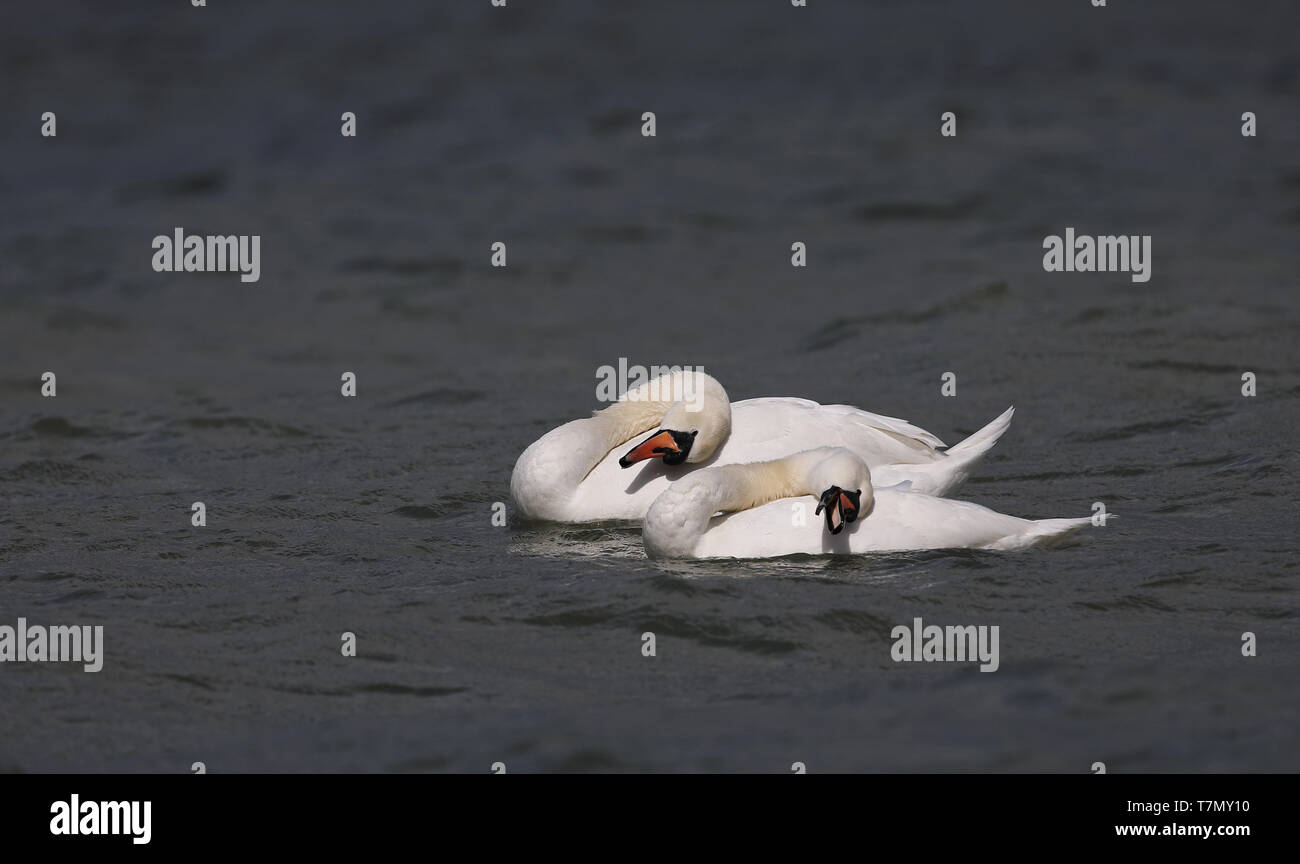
<point>845,482</point>
<point>697,424</point>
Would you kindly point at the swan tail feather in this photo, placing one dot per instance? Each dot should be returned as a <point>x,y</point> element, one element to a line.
<point>1049,532</point>
<point>977,444</point>
<point>961,459</point>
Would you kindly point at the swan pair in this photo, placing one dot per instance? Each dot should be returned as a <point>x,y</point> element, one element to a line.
<point>877,479</point>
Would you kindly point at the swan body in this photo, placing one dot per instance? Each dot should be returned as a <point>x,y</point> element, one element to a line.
<point>577,473</point>
<point>767,512</point>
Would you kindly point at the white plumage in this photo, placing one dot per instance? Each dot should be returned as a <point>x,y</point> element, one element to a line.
<point>767,510</point>
<point>572,473</point>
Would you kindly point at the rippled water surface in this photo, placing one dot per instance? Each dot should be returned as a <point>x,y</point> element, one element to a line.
<point>522,644</point>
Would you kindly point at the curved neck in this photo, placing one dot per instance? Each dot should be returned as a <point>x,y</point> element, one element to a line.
<point>603,431</point>
<point>681,515</point>
<point>624,420</point>
<point>648,407</point>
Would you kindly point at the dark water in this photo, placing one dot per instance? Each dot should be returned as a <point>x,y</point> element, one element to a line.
<point>522,644</point>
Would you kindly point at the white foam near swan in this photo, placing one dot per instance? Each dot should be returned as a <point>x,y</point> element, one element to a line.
<point>760,505</point>
<point>614,464</point>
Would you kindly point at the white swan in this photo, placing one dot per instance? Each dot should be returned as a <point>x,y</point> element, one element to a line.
<point>762,504</point>
<point>582,471</point>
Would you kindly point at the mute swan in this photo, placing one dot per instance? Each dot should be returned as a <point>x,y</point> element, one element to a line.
<point>583,471</point>
<point>761,503</point>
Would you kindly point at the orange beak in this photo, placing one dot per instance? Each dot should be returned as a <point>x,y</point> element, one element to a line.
<point>658,444</point>
<point>848,510</point>
<point>841,508</point>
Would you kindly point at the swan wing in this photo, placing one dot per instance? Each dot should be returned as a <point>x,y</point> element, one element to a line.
<point>898,521</point>
<point>778,426</point>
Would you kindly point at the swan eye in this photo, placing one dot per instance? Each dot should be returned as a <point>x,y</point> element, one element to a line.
<point>683,440</point>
